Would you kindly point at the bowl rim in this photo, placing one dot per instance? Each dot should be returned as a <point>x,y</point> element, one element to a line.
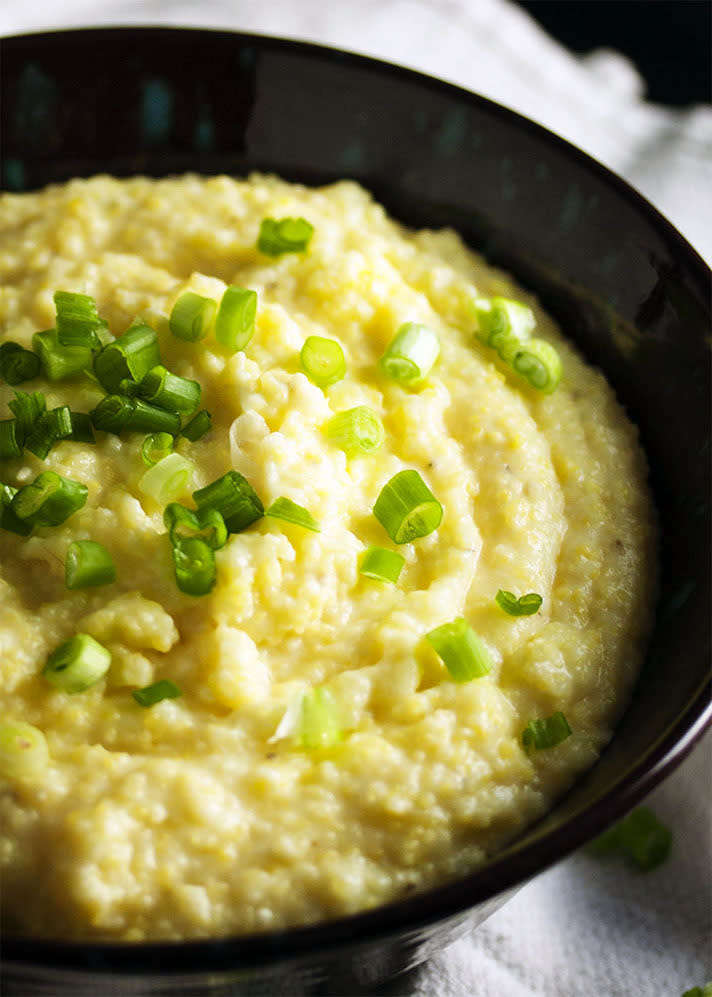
<point>509,869</point>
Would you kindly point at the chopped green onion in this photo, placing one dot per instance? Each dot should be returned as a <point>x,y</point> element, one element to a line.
<point>129,387</point>
<point>48,429</point>
<point>49,500</point>
<point>82,429</point>
<point>77,320</point>
<point>206,524</point>
<point>381,564</point>
<point>499,318</point>
<point>406,508</point>
<point>235,321</point>
<point>192,316</point>
<point>8,519</point>
<point>545,733</point>
<point>640,836</point>
<point>59,362</point>
<point>155,447</point>
<point>170,391</point>
<point>704,991</point>
<point>319,725</point>
<point>525,605</point>
<point>130,357</point>
<point>77,664</point>
<point>18,364</point>
<point>9,446</point>
<point>538,362</point>
<point>290,512</point>
<point>234,498</point>
<point>411,354</point>
<point>87,564</point>
<point>322,360</point>
<point>284,235</point>
<point>194,563</point>
<point>116,413</point>
<point>152,694</point>
<point>198,426</point>
<point>23,751</point>
<point>27,409</point>
<point>168,479</point>
<point>356,431</point>
<point>464,653</point>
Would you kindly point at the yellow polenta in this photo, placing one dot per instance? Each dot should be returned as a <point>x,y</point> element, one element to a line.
<point>196,817</point>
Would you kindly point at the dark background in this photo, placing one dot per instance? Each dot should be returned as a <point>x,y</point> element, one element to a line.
<point>670,41</point>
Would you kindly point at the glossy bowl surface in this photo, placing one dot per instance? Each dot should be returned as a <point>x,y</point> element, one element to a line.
<point>622,282</point>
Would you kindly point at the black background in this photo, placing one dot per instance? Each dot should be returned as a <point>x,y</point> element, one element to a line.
<point>670,41</point>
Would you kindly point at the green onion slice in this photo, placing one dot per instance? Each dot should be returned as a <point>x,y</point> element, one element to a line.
<point>194,563</point>
<point>234,498</point>
<point>206,524</point>
<point>155,447</point>
<point>168,479</point>
<point>462,650</point>
<point>382,564</point>
<point>82,429</point>
<point>539,363</point>
<point>154,693</point>
<point>77,320</point>
<point>546,732</point>
<point>198,426</point>
<point>284,235</point>
<point>88,563</point>
<point>290,512</point>
<point>116,413</point>
<point>18,364</point>
<point>322,360</point>
<point>9,445</point>
<point>130,357</point>
<point>406,508</point>
<point>58,361</point>
<point>235,320</point>
<point>49,500</point>
<point>501,317</point>
<point>319,725</point>
<point>640,836</point>
<point>356,431</point>
<point>8,519</point>
<point>27,409</point>
<point>77,664</point>
<point>48,429</point>
<point>23,751</point>
<point>170,391</point>
<point>192,316</point>
<point>525,605</point>
<point>411,354</point>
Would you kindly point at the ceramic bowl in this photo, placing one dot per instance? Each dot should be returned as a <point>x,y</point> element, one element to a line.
<point>623,283</point>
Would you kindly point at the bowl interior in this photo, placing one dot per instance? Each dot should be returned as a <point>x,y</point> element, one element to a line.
<point>622,282</point>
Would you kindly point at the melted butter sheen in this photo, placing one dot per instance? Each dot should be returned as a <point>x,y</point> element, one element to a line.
<point>188,819</point>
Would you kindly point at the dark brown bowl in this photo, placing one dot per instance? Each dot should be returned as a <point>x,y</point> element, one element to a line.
<point>623,283</point>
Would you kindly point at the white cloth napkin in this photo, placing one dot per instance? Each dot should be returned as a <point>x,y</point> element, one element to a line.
<point>587,927</point>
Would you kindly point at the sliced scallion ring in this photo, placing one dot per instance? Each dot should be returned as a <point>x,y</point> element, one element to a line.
<point>525,605</point>
<point>278,236</point>
<point>77,664</point>
<point>18,364</point>
<point>157,691</point>
<point>287,510</point>
<point>77,320</point>
<point>155,447</point>
<point>206,524</point>
<point>49,500</point>
<point>23,750</point>
<point>406,508</point>
<point>59,362</point>
<point>130,357</point>
<point>411,354</point>
<point>235,320</point>
<point>322,360</point>
<point>319,724</point>
<point>192,316</point>
<point>356,431</point>
<point>545,732</point>
<point>194,564</point>
<point>234,498</point>
<point>539,363</point>
<point>462,650</point>
<point>87,564</point>
<point>167,480</point>
<point>198,426</point>
<point>382,564</point>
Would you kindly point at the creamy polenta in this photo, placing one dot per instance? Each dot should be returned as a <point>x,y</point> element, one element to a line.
<point>207,813</point>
